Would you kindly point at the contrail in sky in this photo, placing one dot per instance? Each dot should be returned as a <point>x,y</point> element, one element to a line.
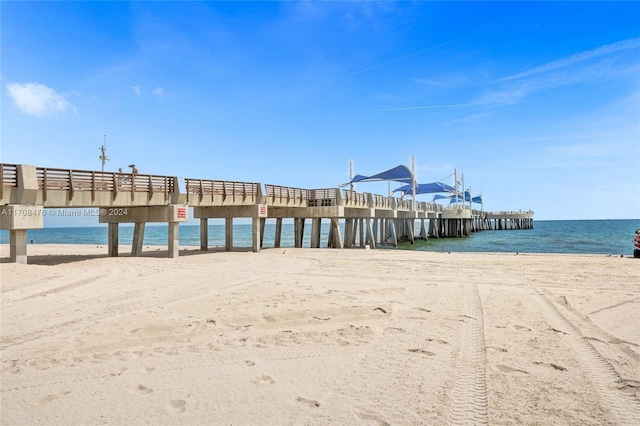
<point>429,107</point>
<point>351,74</point>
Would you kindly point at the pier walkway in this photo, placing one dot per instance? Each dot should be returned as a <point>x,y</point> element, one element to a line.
<point>369,219</point>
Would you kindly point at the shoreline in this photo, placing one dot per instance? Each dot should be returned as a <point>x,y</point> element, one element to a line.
<point>319,336</point>
<point>58,249</point>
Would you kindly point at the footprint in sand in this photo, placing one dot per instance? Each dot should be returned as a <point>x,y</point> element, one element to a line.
<point>552,365</point>
<point>422,351</point>
<point>442,342</point>
<point>373,418</point>
<point>264,379</point>
<point>510,370</point>
<point>143,389</point>
<point>48,398</point>
<point>178,405</point>
<point>310,402</point>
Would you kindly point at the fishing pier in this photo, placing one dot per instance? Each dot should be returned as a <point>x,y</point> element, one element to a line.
<point>368,219</point>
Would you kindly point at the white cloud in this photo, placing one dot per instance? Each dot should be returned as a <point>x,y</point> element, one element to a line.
<point>136,90</point>
<point>38,99</point>
<point>159,92</point>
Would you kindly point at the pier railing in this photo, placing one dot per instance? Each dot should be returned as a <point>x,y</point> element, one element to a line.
<point>509,213</point>
<point>356,199</point>
<point>207,191</point>
<point>8,177</point>
<point>382,202</point>
<point>326,197</point>
<point>80,188</point>
<point>286,196</point>
<point>72,181</point>
<point>404,204</point>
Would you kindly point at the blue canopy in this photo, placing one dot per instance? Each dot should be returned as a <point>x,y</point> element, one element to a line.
<point>397,174</point>
<point>425,188</point>
<point>452,198</point>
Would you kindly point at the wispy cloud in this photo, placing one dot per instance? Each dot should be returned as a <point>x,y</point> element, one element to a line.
<point>589,66</point>
<point>428,107</point>
<point>159,92</point>
<point>38,100</point>
<point>604,62</point>
<point>136,90</point>
<point>452,80</point>
<point>579,150</point>
<point>577,58</point>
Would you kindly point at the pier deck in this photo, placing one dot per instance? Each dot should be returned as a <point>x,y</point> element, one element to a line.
<point>370,219</point>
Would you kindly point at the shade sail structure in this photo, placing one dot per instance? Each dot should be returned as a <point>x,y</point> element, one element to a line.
<point>452,198</point>
<point>425,188</point>
<point>397,174</point>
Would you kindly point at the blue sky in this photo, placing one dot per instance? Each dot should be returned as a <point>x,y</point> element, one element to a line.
<point>536,103</point>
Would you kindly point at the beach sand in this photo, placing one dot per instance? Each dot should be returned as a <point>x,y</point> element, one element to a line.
<point>319,337</point>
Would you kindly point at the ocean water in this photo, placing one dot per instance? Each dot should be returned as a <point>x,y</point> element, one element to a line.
<point>561,236</point>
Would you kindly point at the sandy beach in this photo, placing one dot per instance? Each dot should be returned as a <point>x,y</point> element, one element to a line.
<point>319,337</point>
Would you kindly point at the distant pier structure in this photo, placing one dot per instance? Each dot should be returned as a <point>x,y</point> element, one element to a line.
<point>365,219</point>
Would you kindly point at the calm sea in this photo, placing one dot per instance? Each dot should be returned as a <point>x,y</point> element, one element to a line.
<point>552,236</point>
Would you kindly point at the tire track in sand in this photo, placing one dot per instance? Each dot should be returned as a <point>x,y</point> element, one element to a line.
<point>624,407</point>
<point>468,398</point>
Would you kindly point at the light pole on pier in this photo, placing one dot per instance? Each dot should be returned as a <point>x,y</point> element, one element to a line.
<point>103,155</point>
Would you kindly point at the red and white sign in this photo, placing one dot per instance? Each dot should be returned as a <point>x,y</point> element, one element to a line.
<point>181,212</point>
<point>262,210</point>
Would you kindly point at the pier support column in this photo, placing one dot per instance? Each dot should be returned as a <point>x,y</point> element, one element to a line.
<point>423,230</point>
<point>316,224</point>
<point>138,238</point>
<point>409,230</point>
<point>17,219</point>
<point>298,232</point>
<point>174,239</point>
<point>255,234</point>
<point>263,225</point>
<point>370,233</point>
<point>374,232</point>
<point>18,246</point>
<point>228,233</point>
<point>112,240</point>
<point>348,233</point>
<point>278,236</point>
<point>139,216</point>
<point>335,231</point>
<point>392,233</point>
<point>204,234</point>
